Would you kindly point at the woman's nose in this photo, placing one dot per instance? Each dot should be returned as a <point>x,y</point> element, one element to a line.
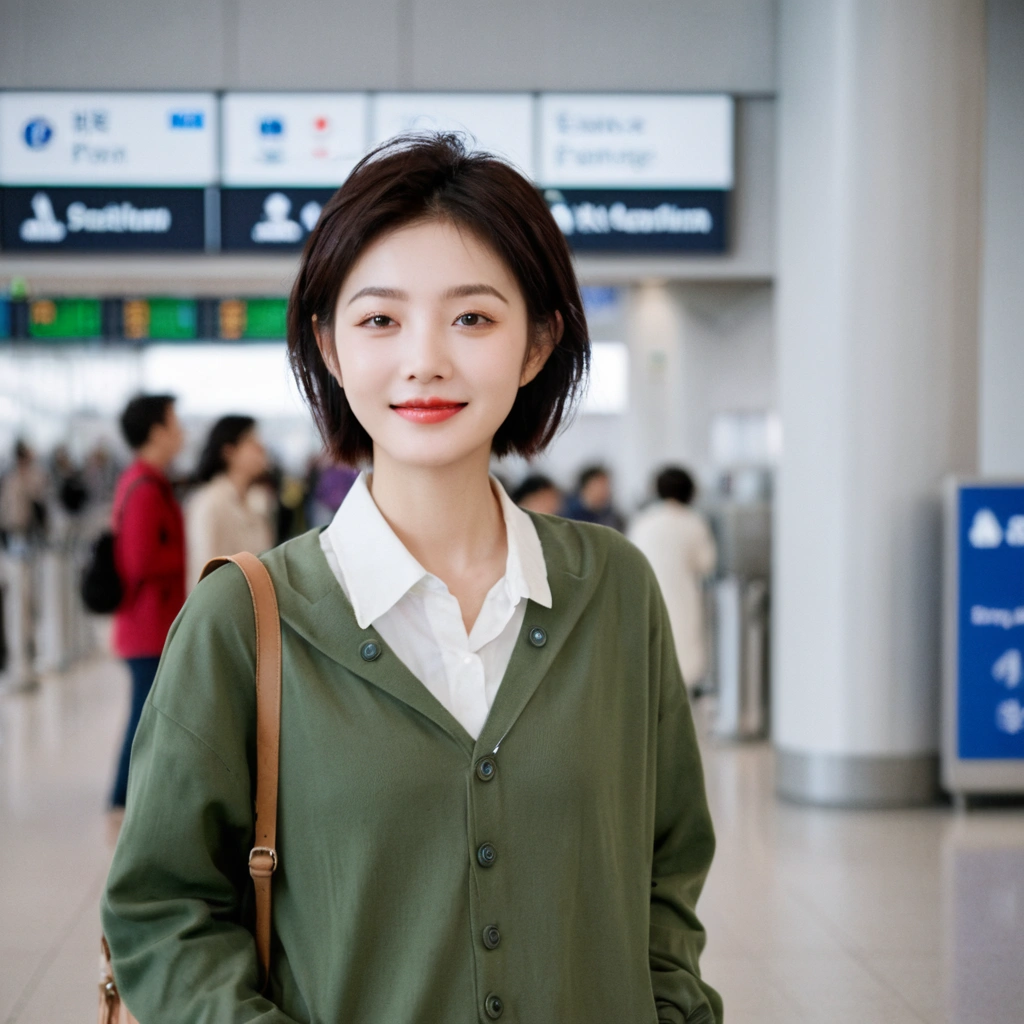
<point>427,355</point>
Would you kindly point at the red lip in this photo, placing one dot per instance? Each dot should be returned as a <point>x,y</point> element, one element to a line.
<point>428,410</point>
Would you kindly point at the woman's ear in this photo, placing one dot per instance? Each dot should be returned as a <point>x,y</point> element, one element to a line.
<point>325,342</point>
<point>541,347</point>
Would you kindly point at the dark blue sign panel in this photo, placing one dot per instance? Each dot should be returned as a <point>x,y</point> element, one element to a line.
<point>102,219</point>
<point>269,219</point>
<point>990,615</point>
<point>641,221</point>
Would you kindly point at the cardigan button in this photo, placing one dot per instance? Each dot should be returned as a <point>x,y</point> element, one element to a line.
<point>494,1006</point>
<point>486,855</point>
<point>492,937</point>
<point>370,651</point>
<point>485,769</point>
<point>538,637</point>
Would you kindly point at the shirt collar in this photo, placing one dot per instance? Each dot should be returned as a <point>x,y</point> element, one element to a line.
<point>379,571</point>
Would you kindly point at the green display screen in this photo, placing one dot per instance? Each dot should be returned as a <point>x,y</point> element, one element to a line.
<point>68,319</point>
<point>266,318</point>
<point>253,319</point>
<point>161,319</point>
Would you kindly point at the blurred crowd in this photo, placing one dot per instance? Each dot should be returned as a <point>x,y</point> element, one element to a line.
<point>164,526</point>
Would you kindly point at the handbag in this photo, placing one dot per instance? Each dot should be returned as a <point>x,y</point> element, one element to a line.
<point>263,859</point>
<point>101,587</point>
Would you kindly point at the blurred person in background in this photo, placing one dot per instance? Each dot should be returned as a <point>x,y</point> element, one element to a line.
<point>222,517</point>
<point>23,520</point>
<point>679,545</point>
<point>100,474</point>
<point>592,501</point>
<point>538,493</point>
<point>23,497</point>
<point>149,551</point>
<point>327,485</point>
<point>69,482</point>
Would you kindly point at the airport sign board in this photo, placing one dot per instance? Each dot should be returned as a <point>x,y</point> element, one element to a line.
<point>500,123</point>
<point>292,139</point>
<point>640,220</point>
<point>87,219</point>
<point>636,141</point>
<point>269,219</point>
<point>85,138</point>
<point>983,695</point>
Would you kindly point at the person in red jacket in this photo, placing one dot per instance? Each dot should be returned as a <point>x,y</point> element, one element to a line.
<point>149,551</point>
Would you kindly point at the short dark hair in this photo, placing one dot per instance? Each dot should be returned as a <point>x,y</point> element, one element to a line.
<point>432,176</point>
<point>588,473</point>
<point>532,484</point>
<point>228,430</point>
<point>141,415</point>
<point>675,483</point>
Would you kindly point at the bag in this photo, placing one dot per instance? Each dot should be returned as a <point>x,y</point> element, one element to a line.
<point>263,856</point>
<point>102,590</point>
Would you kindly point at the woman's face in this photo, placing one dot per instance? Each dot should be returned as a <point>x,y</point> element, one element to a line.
<point>248,457</point>
<point>430,343</point>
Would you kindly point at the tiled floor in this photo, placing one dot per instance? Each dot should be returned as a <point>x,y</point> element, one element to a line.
<point>908,917</point>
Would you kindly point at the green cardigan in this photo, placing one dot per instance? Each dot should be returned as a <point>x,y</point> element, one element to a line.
<point>386,902</point>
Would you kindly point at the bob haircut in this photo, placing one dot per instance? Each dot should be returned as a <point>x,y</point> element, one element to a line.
<point>432,177</point>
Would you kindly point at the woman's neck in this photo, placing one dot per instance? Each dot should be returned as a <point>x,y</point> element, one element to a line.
<point>448,517</point>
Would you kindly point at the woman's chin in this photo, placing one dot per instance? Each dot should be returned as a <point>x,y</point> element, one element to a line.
<point>429,453</point>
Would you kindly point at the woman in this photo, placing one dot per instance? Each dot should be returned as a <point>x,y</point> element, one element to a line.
<point>491,802</point>
<point>681,550</point>
<point>220,518</point>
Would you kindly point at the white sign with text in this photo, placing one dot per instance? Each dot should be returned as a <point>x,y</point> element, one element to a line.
<point>292,139</point>
<point>108,139</point>
<point>636,141</point>
<point>500,123</point>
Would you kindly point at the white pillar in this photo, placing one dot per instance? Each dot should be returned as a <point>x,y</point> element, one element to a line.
<point>1002,297</point>
<point>881,105</point>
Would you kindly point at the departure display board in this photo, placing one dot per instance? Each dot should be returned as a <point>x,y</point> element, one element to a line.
<point>160,319</point>
<point>252,319</point>
<point>65,319</point>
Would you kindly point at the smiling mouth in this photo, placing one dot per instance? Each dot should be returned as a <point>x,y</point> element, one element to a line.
<point>429,410</point>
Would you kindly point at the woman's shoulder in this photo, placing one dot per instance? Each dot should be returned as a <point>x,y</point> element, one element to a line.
<point>582,549</point>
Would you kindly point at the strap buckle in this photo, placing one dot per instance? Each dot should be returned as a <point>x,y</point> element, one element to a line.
<point>260,870</point>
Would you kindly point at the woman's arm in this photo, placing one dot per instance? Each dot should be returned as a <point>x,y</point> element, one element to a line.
<point>177,897</point>
<point>684,844</point>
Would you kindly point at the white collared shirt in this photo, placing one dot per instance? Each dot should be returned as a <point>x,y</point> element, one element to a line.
<point>416,615</point>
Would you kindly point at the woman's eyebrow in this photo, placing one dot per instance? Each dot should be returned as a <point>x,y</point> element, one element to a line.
<point>379,293</point>
<point>462,291</point>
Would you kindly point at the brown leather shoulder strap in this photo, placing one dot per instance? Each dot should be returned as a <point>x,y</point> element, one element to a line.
<point>263,859</point>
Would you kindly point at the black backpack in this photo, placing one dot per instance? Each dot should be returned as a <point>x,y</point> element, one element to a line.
<point>102,589</point>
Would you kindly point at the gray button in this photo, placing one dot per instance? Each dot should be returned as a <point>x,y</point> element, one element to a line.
<point>538,637</point>
<point>492,937</point>
<point>370,651</point>
<point>486,855</point>
<point>494,1006</point>
<point>485,769</point>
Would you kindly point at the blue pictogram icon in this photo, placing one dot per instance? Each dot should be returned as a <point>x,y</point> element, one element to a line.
<point>38,133</point>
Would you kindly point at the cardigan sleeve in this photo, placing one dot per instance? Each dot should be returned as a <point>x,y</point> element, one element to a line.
<point>177,898</point>
<point>684,844</point>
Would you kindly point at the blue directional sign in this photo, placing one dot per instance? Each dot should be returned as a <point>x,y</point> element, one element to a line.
<point>990,623</point>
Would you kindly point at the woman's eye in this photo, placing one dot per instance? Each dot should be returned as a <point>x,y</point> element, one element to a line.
<point>379,320</point>
<point>472,320</point>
